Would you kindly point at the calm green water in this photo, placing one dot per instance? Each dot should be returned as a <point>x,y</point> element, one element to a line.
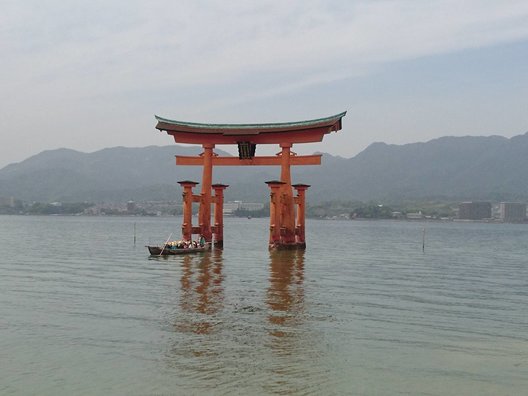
<point>362,311</point>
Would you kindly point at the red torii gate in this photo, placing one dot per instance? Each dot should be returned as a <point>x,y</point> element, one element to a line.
<point>287,226</point>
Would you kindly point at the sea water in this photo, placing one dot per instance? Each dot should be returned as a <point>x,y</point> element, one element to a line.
<point>365,310</point>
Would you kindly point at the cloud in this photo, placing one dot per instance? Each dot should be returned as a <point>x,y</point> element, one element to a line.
<point>310,38</point>
<point>188,43</point>
<point>76,60</point>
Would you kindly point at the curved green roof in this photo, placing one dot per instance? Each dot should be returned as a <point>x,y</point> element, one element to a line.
<point>275,125</point>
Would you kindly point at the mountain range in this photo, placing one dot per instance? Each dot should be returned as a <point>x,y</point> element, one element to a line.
<point>449,168</point>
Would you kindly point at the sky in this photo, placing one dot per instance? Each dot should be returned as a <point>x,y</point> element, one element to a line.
<point>92,74</point>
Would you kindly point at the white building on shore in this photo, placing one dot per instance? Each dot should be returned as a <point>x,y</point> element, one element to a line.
<point>512,212</point>
<point>233,206</point>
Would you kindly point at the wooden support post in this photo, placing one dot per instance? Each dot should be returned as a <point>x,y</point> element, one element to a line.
<point>275,213</point>
<point>288,210</point>
<point>187,227</point>
<point>205,203</point>
<point>219,214</point>
<point>301,213</point>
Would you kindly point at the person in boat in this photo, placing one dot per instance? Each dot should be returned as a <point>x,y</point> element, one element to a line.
<point>202,241</point>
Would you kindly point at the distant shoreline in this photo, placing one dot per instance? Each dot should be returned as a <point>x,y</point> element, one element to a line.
<point>428,220</point>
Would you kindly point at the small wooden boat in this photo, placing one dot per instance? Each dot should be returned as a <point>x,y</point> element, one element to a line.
<point>169,250</point>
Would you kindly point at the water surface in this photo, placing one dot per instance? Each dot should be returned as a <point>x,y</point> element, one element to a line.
<point>362,311</point>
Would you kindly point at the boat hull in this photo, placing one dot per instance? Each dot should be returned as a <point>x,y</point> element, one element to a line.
<point>160,251</point>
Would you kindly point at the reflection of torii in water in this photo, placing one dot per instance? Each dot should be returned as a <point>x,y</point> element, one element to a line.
<point>202,290</point>
<point>286,223</point>
<point>285,294</point>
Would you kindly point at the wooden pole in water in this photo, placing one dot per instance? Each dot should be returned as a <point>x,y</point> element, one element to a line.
<point>134,234</point>
<point>423,240</point>
<point>165,244</point>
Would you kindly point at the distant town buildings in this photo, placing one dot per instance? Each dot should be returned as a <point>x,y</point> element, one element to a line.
<point>131,207</point>
<point>512,212</point>
<point>415,216</point>
<point>474,210</point>
<point>231,207</point>
<point>7,202</point>
<point>505,212</point>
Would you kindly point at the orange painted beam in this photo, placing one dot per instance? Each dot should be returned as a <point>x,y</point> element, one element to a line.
<point>256,161</point>
<point>311,135</point>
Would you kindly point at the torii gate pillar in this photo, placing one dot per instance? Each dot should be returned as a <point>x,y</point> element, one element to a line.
<point>188,198</point>
<point>275,212</point>
<point>287,206</point>
<point>285,235</point>
<point>205,203</point>
<point>219,214</point>
<point>300,227</point>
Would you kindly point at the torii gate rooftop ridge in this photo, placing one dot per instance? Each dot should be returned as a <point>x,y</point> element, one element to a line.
<point>268,133</point>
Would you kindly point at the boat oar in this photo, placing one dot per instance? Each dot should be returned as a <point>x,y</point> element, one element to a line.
<point>165,244</point>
